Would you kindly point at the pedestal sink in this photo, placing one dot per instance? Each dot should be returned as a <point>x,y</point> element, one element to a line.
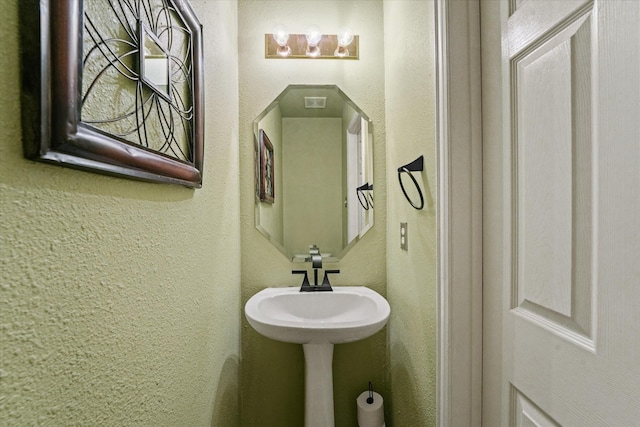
<point>318,320</point>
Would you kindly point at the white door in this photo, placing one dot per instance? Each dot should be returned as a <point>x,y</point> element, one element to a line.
<point>561,114</point>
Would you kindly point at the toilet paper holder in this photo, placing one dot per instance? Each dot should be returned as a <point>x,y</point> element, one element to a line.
<point>370,398</point>
<point>370,408</point>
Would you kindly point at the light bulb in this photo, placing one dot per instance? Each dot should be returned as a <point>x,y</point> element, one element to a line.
<point>281,36</point>
<point>313,36</point>
<point>345,37</point>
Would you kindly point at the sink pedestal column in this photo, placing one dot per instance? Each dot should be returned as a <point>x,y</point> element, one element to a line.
<point>318,406</point>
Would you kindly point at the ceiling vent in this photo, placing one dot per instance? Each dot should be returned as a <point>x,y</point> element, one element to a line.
<point>315,102</point>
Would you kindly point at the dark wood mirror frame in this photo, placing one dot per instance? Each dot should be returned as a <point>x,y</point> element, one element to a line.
<point>53,132</point>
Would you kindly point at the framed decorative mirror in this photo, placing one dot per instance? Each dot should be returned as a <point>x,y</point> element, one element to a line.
<point>114,87</point>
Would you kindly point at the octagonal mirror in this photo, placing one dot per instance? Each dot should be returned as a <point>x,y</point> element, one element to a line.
<point>313,172</point>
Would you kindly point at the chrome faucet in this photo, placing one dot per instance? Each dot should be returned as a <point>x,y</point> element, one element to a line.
<point>316,263</point>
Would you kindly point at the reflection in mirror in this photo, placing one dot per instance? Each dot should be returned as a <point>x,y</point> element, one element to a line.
<point>154,63</point>
<point>322,171</point>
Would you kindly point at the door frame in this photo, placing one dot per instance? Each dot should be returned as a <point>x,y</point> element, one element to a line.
<point>459,218</point>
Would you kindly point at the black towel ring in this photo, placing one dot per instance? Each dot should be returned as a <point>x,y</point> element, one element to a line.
<point>416,166</point>
<point>363,199</point>
<point>365,203</point>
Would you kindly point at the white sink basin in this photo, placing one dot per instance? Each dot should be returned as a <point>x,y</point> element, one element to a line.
<point>347,314</point>
<point>318,320</point>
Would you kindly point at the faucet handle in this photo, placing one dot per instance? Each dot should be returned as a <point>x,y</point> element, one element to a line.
<point>325,281</point>
<point>316,261</point>
<point>305,281</point>
<point>315,257</point>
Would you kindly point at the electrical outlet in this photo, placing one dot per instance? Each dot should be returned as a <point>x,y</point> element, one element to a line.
<point>404,237</point>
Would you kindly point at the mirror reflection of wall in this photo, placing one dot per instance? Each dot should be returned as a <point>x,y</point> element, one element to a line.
<point>322,155</point>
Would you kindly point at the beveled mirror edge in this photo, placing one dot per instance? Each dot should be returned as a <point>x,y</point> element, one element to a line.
<point>274,242</point>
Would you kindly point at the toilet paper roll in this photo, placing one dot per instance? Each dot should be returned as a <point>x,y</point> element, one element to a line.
<point>370,414</point>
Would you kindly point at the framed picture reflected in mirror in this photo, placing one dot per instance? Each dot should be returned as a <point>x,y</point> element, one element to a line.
<point>267,180</point>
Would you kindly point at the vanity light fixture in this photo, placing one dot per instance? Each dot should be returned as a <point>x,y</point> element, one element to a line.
<point>311,45</point>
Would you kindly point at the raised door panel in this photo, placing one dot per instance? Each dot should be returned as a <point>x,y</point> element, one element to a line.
<point>525,413</point>
<point>552,178</point>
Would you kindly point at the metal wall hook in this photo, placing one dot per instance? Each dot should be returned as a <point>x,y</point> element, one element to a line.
<point>416,166</point>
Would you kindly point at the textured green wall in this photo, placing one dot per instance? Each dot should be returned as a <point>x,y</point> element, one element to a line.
<point>272,379</point>
<point>410,107</point>
<point>120,300</point>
